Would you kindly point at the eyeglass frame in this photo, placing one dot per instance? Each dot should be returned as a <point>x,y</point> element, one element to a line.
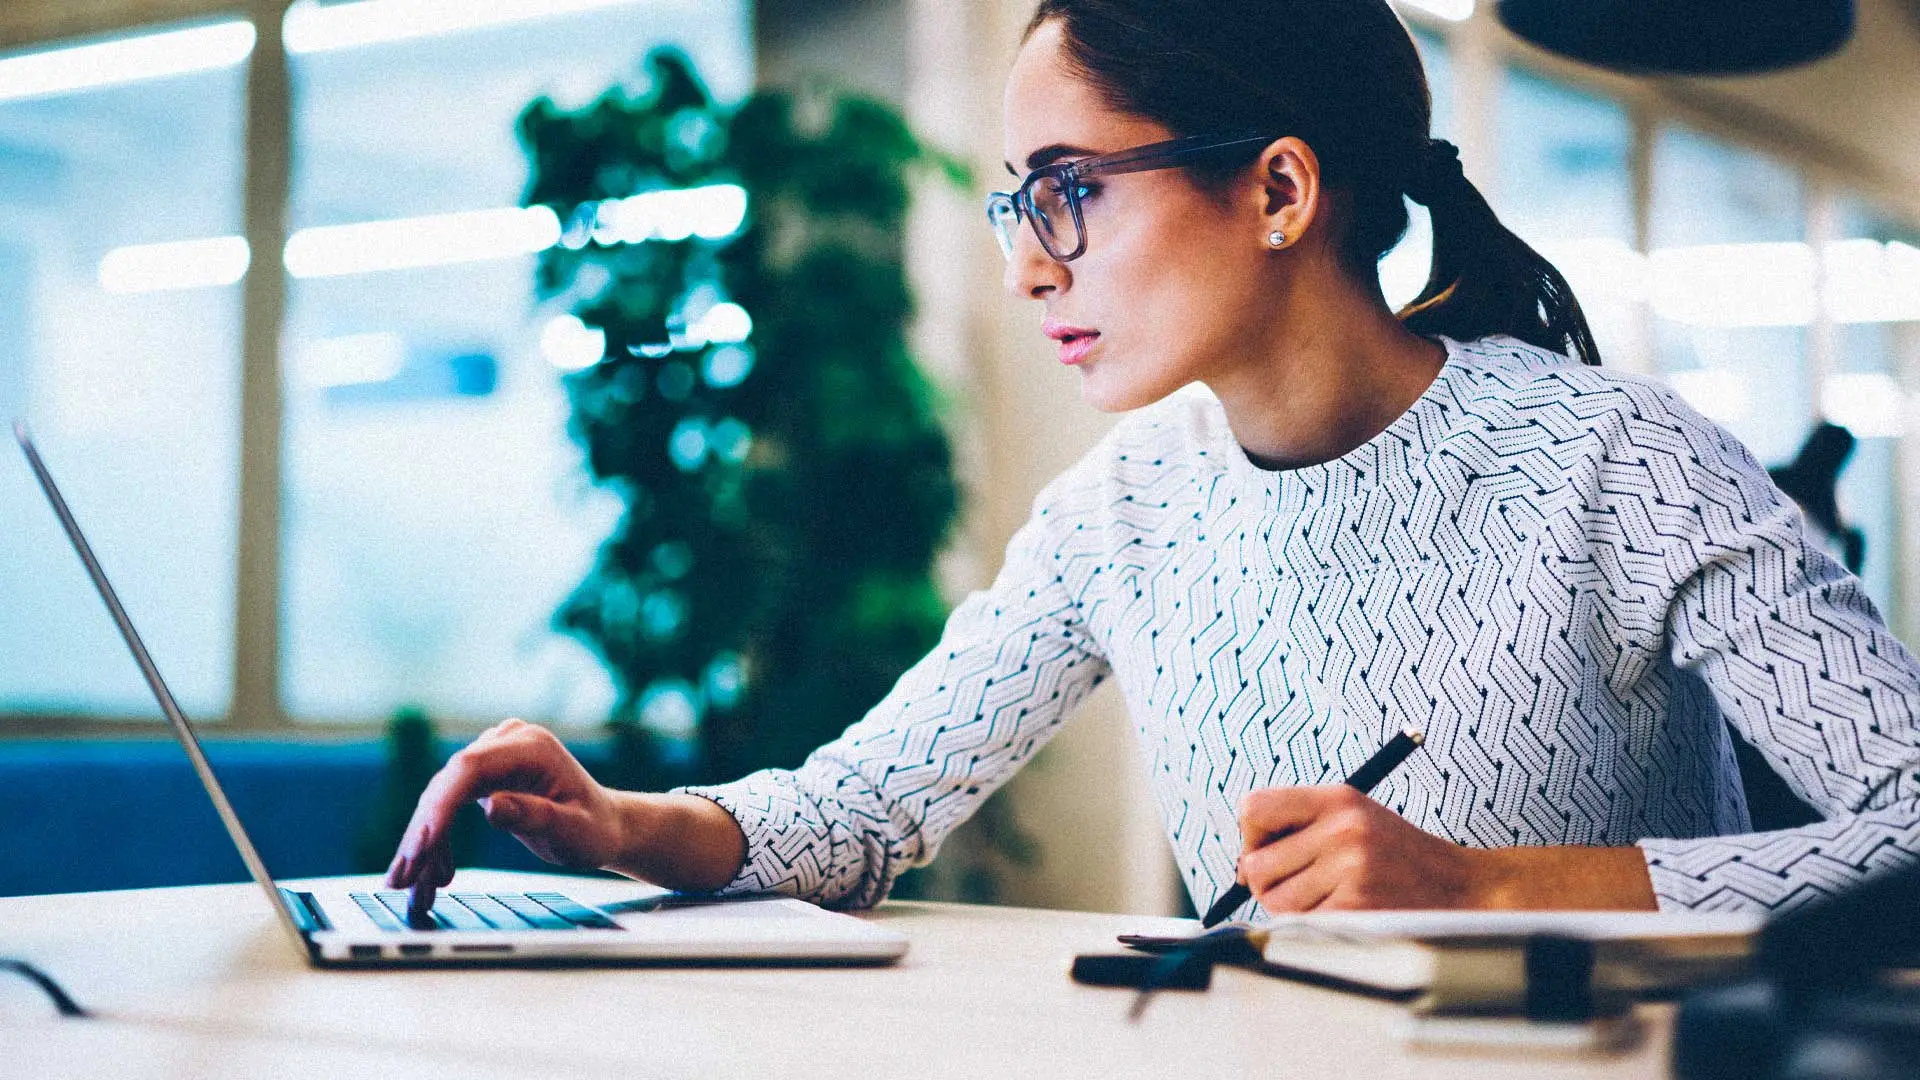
<point>1069,174</point>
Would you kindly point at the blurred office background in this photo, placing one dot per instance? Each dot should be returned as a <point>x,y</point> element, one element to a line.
<point>336,482</point>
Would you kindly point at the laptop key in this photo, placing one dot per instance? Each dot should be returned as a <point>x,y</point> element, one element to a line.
<point>495,912</point>
<point>573,911</point>
<point>381,917</point>
<point>458,917</point>
<point>533,912</point>
<point>396,901</point>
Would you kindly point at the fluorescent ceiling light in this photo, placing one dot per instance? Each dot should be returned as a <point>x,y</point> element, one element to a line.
<point>1599,269</point>
<point>1719,395</point>
<point>1743,285</point>
<point>183,264</point>
<point>711,212</point>
<point>405,243</point>
<point>311,27</point>
<point>726,324</point>
<point>130,59</point>
<point>1872,406</point>
<point>1867,281</point>
<point>1733,285</point>
<point>1450,10</point>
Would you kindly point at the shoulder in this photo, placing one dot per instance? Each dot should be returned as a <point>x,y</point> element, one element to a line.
<point>1621,410</point>
<point>1619,438</point>
<point>1508,371</point>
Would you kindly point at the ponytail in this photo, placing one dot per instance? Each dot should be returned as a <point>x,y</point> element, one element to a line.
<point>1486,280</point>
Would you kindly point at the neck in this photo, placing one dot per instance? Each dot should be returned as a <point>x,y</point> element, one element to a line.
<point>1334,373</point>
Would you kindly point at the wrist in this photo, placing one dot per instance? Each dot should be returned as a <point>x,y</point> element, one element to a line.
<point>682,842</point>
<point>1549,878</point>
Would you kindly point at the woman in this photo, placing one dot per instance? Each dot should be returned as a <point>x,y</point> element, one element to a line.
<point>1570,579</point>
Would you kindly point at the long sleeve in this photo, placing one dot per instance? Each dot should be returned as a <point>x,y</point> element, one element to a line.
<point>1794,656</point>
<point>1012,663</point>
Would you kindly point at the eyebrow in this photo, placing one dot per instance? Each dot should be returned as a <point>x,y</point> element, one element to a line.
<point>1049,154</point>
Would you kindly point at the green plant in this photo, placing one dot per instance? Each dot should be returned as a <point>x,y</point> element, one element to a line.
<point>786,494</point>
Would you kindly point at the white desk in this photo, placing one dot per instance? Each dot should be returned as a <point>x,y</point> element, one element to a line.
<point>198,982</point>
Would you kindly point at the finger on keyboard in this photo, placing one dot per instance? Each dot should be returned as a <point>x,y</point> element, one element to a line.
<point>420,904</point>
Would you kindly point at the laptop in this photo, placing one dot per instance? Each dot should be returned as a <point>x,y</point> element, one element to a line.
<point>341,927</point>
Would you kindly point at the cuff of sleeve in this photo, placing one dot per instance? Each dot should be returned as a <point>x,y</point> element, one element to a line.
<point>1673,888</point>
<point>756,806</point>
<point>1718,874</point>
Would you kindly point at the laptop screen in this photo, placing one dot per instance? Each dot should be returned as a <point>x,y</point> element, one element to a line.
<point>182,729</point>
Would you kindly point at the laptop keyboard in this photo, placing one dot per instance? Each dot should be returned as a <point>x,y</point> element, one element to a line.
<point>486,911</point>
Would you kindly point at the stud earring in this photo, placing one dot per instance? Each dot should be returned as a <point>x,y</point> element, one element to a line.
<point>1277,239</point>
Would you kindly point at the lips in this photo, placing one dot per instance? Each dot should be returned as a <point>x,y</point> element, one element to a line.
<point>1075,341</point>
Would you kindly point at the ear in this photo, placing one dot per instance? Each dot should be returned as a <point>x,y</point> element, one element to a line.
<point>1290,191</point>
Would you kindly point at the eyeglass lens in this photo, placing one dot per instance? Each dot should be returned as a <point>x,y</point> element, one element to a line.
<point>1047,206</point>
<point>1053,217</point>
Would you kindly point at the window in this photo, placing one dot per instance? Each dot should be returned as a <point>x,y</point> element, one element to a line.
<point>1871,291</point>
<point>1404,268</point>
<point>436,512</point>
<point>1731,284</point>
<point>124,358</point>
<point>1564,188</point>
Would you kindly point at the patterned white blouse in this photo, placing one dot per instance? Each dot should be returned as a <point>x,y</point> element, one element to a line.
<point>1568,577</point>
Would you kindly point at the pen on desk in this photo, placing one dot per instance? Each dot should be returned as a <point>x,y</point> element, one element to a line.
<point>1363,780</point>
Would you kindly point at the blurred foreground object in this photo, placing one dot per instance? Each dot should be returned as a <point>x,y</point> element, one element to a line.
<point>1836,998</point>
<point>1684,37</point>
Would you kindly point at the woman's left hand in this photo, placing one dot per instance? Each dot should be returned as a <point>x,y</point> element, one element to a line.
<point>1330,847</point>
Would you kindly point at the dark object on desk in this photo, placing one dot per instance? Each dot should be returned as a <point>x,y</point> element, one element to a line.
<point>1134,970</point>
<point>61,999</point>
<point>1823,1006</point>
<point>1560,980</point>
<point>1684,37</point>
<point>1174,959</point>
<point>1364,779</point>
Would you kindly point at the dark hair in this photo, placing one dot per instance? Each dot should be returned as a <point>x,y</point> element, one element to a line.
<point>1343,76</point>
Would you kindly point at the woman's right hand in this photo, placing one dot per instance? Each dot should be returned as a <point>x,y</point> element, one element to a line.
<point>530,785</point>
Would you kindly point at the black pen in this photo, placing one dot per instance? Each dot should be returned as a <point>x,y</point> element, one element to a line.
<point>1363,780</point>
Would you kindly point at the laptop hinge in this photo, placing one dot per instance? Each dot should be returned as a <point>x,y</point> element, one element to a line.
<point>306,911</point>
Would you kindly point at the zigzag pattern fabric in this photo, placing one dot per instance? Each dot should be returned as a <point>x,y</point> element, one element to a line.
<point>1569,578</point>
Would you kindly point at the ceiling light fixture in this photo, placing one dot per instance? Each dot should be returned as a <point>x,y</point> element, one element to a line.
<point>69,68</point>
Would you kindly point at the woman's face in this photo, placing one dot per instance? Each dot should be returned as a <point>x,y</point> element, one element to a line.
<point>1175,282</point>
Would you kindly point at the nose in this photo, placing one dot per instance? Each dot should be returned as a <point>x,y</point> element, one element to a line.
<point>1031,273</point>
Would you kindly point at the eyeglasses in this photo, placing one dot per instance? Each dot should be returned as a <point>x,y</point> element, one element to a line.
<point>1050,196</point>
